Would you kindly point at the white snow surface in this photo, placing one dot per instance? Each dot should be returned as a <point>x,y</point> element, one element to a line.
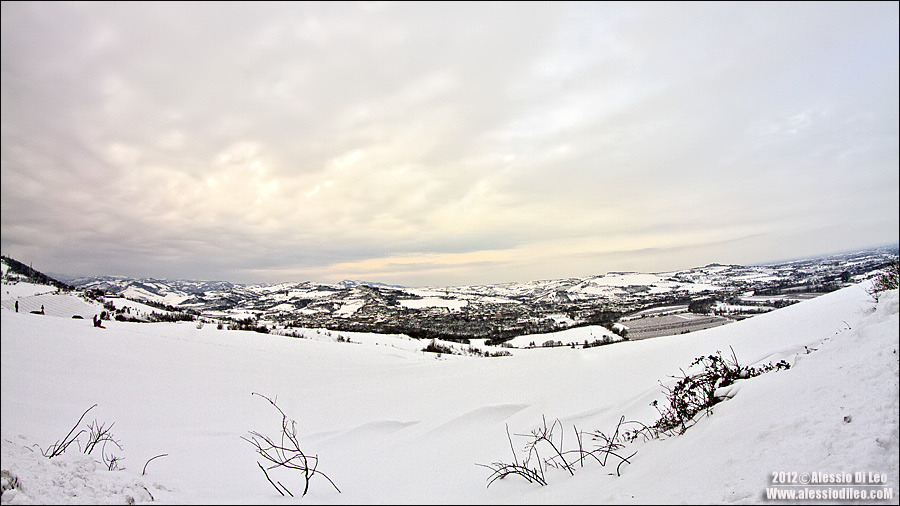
<point>391,424</point>
<point>576,335</point>
<point>171,299</point>
<point>656,283</point>
<point>451,304</point>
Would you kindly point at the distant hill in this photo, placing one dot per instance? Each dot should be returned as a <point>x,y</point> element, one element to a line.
<point>499,311</point>
<point>15,269</point>
<point>349,283</point>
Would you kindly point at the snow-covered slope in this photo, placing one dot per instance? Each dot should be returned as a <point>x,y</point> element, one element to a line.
<point>391,424</point>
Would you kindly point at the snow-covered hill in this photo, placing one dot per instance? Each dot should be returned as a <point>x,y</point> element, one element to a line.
<point>501,311</point>
<point>392,424</point>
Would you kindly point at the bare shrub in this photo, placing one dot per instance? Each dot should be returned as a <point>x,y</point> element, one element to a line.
<point>691,395</point>
<point>549,439</point>
<point>60,446</point>
<point>8,481</point>
<point>285,453</point>
<point>96,435</point>
<point>887,279</point>
<point>100,433</point>
<point>694,394</point>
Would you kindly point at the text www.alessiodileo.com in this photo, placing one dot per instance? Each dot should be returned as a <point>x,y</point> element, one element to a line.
<point>829,493</point>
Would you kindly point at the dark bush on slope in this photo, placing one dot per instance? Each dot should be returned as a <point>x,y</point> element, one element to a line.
<point>887,279</point>
<point>692,395</point>
<point>696,393</point>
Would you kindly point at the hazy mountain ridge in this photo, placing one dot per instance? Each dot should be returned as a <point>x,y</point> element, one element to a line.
<point>496,311</point>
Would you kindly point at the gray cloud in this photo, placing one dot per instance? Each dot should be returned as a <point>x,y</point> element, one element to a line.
<point>251,141</point>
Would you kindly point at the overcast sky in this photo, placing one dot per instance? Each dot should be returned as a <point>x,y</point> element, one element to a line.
<point>444,143</point>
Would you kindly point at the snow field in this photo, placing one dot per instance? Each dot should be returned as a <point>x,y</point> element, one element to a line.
<point>392,424</point>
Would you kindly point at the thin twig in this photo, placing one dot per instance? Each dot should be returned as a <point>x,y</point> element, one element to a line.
<point>59,447</point>
<point>270,479</point>
<point>148,493</point>
<point>151,458</point>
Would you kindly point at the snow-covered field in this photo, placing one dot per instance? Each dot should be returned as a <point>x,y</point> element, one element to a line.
<point>450,304</point>
<point>392,424</point>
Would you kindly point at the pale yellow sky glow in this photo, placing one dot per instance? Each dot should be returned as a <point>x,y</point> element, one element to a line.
<point>444,143</point>
<point>564,253</point>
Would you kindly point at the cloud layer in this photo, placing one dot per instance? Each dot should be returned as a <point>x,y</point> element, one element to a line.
<point>443,143</point>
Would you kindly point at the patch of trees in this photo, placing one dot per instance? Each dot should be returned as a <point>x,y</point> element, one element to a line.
<point>152,317</point>
<point>170,317</point>
<point>824,285</point>
<point>598,342</point>
<point>702,305</point>
<point>436,347</point>
<point>169,308</point>
<point>248,324</point>
<point>618,330</point>
<point>602,316</point>
<point>94,294</point>
<point>497,341</point>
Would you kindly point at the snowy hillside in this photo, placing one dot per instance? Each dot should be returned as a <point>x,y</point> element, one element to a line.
<point>392,424</point>
<point>722,293</point>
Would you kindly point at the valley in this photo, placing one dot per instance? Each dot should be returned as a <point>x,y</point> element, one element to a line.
<point>635,305</point>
